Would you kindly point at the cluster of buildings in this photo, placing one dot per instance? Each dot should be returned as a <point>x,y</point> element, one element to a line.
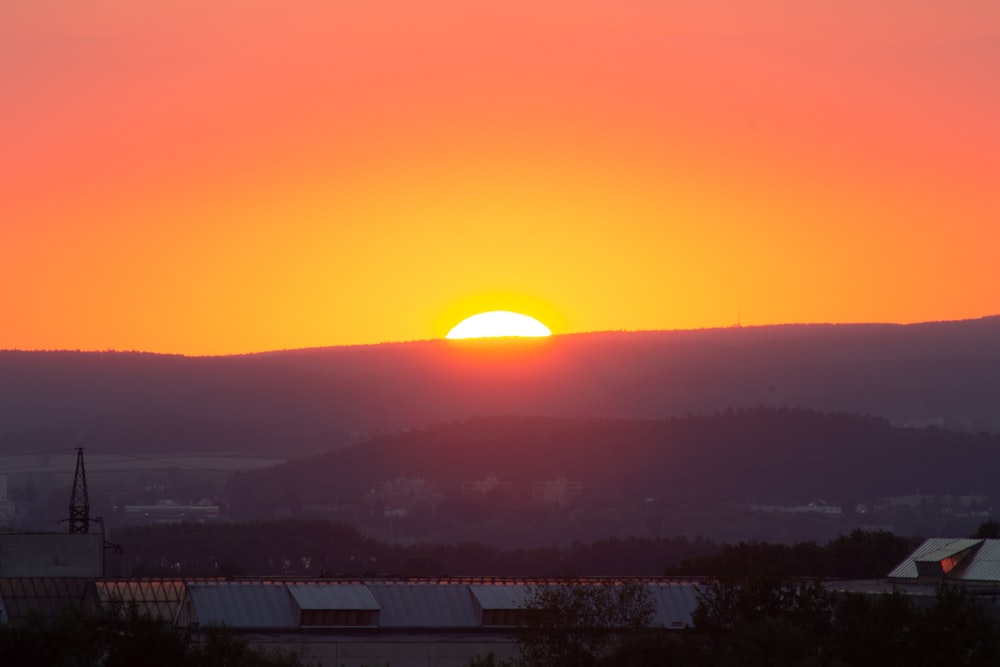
<point>968,505</point>
<point>399,622</point>
<point>398,497</point>
<point>348,622</point>
<point>820,507</point>
<point>559,492</point>
<point>169,511</point>
<point>341,622</point>
<point>960,506</point>
<point>491,484</point>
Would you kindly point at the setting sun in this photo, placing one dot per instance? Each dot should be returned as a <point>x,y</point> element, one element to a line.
<point>334,175</point>
<point>499,323</point>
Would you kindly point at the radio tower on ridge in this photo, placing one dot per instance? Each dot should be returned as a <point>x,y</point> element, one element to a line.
<point>79,503</point>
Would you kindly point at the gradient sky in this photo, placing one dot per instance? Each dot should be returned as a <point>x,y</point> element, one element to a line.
<point>211,177</point>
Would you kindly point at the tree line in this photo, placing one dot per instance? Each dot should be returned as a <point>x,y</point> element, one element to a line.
<point>295,547</point>
<point>754,622</point>
<point>858,555</point>
<point>775,455</point>
<point>749,621</point>
<point>122,637</point>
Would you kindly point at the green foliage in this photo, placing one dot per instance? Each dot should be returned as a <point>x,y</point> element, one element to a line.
<point>726,605</point>
<point>124,638</point>
<point>131,638</point>
<point>70,640</point>
<point>765,621</point>
<point>988,530</point>
<point>756,622</point>
<point>319,548</point>
<point>876,630</point>
<point>957,630</point>
<point>859,555</point>
<point>488,660</point>
<point>581,623</point>
<point>772,622</point>
<point>653,647</point>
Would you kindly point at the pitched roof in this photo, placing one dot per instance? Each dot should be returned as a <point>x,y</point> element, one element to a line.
<point>500,596</point>
<point>446,604</point>
<point>675,602</point>
<point>243,605</point>
<point>333,596</point>
<point>950,559</point>
<point>425,605</point>
<point>159,599</point>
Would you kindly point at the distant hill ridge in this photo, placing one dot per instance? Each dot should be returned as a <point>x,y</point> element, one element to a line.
<point>945,373</point>
<point>771,454</point>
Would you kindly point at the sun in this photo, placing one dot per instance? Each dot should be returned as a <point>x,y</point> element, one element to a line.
<point>499,323</point>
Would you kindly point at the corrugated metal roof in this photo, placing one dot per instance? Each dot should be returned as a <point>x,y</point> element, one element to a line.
<point>500,596</point>
<point>315,595</point>
<point>45,596</point>
<point>426,605</point>
<point>954,548</point>
<point>938,545</point>
<point>675,602</point>
<point>243,605</point>
<point>983,565</point>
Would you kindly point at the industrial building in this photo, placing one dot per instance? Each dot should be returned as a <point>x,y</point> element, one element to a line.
<point>969,562</point>
<point>52,555</point>
<point>405,622</point>
<point>410,622</point>
<point>402,622</point>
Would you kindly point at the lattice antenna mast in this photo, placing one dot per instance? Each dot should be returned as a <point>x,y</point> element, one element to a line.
<point>79,503</point>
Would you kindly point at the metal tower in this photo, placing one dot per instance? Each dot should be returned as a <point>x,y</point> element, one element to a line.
<point>79,503</point>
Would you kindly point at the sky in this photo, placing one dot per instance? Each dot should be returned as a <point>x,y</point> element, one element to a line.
<point>219,177</point>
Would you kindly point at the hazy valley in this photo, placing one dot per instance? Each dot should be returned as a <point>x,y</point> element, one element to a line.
<point>776,433</point>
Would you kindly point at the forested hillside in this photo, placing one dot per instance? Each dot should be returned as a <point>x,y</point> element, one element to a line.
<point>311,400</point>
<point>769,455</point>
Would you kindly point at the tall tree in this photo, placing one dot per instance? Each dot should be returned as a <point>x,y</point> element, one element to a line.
<point>580,624</point>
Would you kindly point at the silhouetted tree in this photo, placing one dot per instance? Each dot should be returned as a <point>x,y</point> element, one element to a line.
<point>774,622</point>
<point>876,630</point>
<point>956,630</point>
<point>580,624</point>
<point>988,530</point>
<point>122,637</point>
<point>859,555</point>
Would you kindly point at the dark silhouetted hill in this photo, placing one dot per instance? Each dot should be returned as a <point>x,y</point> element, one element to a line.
<point>310,400</point>
<point>769,455</point>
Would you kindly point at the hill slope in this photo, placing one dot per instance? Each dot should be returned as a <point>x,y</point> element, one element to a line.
<point>772,455</point>
<point>305,400</point>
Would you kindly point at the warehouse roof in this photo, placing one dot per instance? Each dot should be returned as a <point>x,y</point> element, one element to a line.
<point>278,605</point>
<point>242,605</point>
<point>425,605</point>
<point>675,602</point>
<point>160,599</point>
<point>950,559</point>
<point>500,596</point>
<point>434,604</point>
<point>333,596</point>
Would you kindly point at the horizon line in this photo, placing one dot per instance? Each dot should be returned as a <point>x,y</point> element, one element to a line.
<point>494,340</point>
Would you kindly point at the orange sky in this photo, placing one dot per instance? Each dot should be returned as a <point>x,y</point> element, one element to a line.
<point>216,177</point>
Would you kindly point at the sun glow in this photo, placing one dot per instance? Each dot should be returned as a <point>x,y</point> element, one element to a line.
<point>499,323</point>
